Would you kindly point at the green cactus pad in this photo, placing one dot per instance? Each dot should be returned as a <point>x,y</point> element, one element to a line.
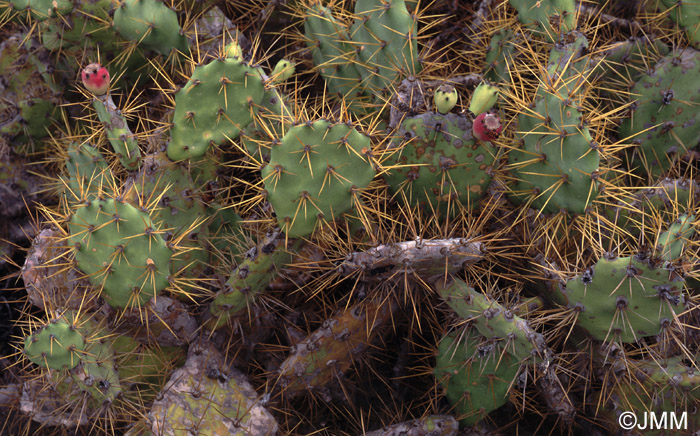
<point>216,103</point>
<point>88,172</point>
<point>248,280</point>
<point>492,320</point>
<point>624,299</point>
<point>500,56</point>
<point>685,14</point>
<point>439,163</point>
<point>332,51</point>
<point>672,241</point>
<point>315,174</point>
<point>119,135</point>
<point>476,375</point>
<point>43,9</point>
<point>548,17</point>
<point>556,159</point>
<point>387,37</point>
<point>120,251</point>
<point>58,345</point>
<point>665,120</point>
<point>180,211</point>
<point>150,23</point>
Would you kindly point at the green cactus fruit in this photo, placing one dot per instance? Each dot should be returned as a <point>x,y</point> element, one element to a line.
<point>445,98</point>
<point>216,103</point>
<point>547,17</point>
<point>43,9</point>
<point>672,241</point>
<point>119,135</point>
<point>88,173</point>
<point>484,97</point>
<point>250,278</point>
<point>491,319</point>
<point>439,164</point>
<point>333,53</point>
<point>387,37</point>
<point>433,425</point>
<point>233,50</point>
<point>330,351</point>
<point>57,345</point>
<point>208,397</point>
<point>121,252</point>
<point>500,56</point>
<point>624,299</point>
<point>283,71</point>
<point>476,375</point>
<point>151,24</point>
<point>664,123</point>
<point>556,162</point>
<point>315,173</point>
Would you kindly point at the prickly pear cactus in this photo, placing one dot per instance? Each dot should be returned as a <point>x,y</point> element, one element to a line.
<point>57,345</point>
<point>547,17</point>
<point>315,174</point>
<point>475,374</point>
<point>120,250</point>
<point>216,103</point>
<point>151,24</point>
<point>556,159</point>
<point>437,164</point>
<point>625,298</point>
<point>664,123</point>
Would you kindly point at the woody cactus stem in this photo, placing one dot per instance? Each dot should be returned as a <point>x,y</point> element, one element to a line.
<point>425,258</point>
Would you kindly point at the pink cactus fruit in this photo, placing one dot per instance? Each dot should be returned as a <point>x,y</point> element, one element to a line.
<point>487,127</point>
<point>96,78</point>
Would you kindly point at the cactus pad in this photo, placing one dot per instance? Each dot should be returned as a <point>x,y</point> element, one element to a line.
<point>315,174</point>
<point>665,120</point>
<point>475,374</point>
<point>120,251</point>
<point>216,103</point>
<point>58,345</point>
<point>625,298</point>
<point>439,162</point>
<point>150,23</point>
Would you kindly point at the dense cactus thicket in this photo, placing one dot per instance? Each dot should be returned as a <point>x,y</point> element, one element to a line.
<point>340,217</point>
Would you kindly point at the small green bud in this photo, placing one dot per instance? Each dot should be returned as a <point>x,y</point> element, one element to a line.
<point>484,97</point>
<point>445,98</point>
<point>233,50</point>
<point>283,71</point>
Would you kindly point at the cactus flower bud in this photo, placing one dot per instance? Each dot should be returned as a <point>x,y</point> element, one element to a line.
<point>487,127</point>
<point>483,99</point>
<point>445,98</point>
<point>283,71</point>
<point>96,78</point>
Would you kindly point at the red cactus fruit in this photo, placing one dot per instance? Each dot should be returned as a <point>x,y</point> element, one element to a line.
<point>96,78</point>
<point>487,127</point>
